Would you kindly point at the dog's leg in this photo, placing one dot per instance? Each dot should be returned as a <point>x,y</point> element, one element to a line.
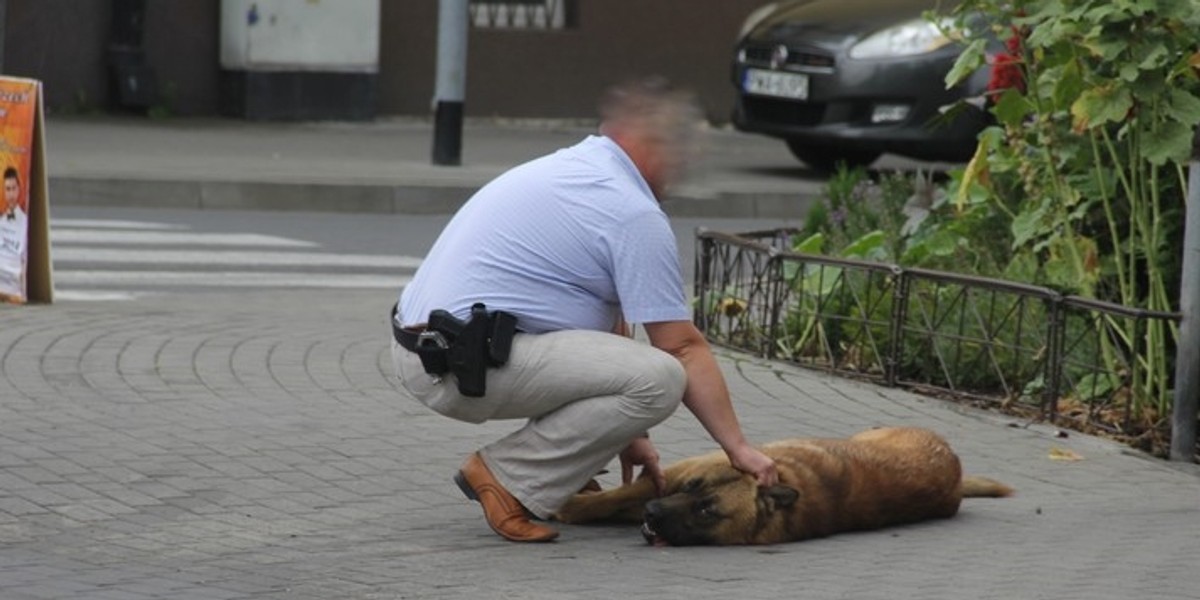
<point>623,503</point>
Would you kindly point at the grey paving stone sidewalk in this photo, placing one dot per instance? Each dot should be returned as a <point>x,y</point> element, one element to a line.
<point>255,446</point>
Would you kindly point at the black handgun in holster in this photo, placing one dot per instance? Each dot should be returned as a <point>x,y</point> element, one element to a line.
<point>468,348</point>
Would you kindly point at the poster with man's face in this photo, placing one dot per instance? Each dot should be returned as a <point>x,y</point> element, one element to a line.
<point>18,106</point>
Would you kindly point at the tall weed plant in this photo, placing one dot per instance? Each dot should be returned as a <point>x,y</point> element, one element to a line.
<point>1096,102</point>
<point>1079,186</point>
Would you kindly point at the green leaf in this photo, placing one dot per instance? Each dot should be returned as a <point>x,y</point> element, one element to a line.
<point>820,279</point>
<point>1032,389</point>
<point>1027,225</point>
<point>1022,267</point>
<point>1176,9</point>
<point>1012,107</point>
<point>1183,107</point>
<point>968,62</point>
<point>1099,13</point>
<point>1079,209</point>
<point>1043,11</point>
<point>1061,276</point>
<point>941,243</point>
<point>1096,386</point>
<point>1100,105</point>
<point>977,194</point>
<point>975,173</point>
<point>1106,48</point>
<point>915,254</point>
<point>1167,144</point>
<point>992,137</point>
<point>1138,8</point>
<point>1186,66</point>
<point>1048,33</point>
<point>812,244</point>
<point>867,246</point>
<point>792,269</point>
<point>1156,57</point>
<point>1068,85</point>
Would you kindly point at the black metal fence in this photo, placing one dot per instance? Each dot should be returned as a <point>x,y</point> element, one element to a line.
<point>1025,347</point>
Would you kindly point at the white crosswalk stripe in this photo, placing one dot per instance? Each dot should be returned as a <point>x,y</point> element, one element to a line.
<point>97,259</point>
<point>228,279</point>
<point>115,224</point>
<point>89,236</point>
<point>233,258</point>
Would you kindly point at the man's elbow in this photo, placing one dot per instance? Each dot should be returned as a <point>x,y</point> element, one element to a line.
<point>679,339</point>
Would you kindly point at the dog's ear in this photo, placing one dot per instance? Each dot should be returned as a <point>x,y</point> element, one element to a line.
<point>781,496</point>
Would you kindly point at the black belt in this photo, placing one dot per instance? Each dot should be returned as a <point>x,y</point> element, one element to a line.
<point>405,337</point>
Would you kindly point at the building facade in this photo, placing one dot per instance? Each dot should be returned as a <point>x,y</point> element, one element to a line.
<point>526,59</point>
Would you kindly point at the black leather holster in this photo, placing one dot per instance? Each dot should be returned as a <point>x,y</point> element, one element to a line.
<point>465,349</point>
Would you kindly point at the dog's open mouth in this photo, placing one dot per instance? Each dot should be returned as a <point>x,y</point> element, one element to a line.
<point>652,536</point>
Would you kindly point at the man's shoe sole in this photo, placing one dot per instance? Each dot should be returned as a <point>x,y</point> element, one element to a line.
<point>466,488</point>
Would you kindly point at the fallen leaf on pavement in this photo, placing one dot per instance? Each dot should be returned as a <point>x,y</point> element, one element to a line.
<point>1064,454</point>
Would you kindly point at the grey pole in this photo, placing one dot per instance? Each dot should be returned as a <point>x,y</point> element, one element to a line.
<point>1187,356</point>
<point>453,24</point>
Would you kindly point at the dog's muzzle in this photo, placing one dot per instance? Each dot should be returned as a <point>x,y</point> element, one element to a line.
<point>652,536</point>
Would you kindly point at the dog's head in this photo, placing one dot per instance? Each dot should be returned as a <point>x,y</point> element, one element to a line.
<point>722,506</point>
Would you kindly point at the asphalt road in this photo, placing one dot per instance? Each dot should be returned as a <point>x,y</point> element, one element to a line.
<point>106,253</point>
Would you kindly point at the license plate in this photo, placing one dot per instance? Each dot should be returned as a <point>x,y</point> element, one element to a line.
<point>775,83</point>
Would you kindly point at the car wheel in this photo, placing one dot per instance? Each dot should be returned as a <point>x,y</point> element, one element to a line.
<point>826,158</point>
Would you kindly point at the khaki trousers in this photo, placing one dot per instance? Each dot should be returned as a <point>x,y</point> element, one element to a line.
<point>586,395</point>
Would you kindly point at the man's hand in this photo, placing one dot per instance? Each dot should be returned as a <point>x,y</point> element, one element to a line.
<point>707,396</point>
<point>642,452</point>
<point>751,460</point>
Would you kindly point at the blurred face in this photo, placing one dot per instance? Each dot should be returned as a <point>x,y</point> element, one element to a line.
<point>665,153</point>
<point>12,191</point>
<point>655,127</point>
<point>666,168</point>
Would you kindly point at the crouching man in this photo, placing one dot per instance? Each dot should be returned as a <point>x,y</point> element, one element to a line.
<point>519,312</point>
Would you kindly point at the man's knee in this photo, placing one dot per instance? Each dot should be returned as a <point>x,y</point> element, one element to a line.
<point>669,381</point>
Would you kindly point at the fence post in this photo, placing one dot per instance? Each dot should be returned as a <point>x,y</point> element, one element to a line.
<point>773,273</point>
<point>1054,359</point>
<point>899,316</point>
<point>702,275</point>
<point>1187,354</point>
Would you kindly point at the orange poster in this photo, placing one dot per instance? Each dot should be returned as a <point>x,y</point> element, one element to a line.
<point>18,117</point>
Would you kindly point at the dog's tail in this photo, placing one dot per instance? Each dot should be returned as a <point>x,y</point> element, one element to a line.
<point>982,487</point>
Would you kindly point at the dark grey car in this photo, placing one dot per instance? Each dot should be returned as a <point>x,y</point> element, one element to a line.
<point>847,80</point>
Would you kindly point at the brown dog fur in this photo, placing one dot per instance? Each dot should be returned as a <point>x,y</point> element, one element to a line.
<point>877,478</point>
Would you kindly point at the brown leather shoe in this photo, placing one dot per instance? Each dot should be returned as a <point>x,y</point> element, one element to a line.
<point>502,511</point>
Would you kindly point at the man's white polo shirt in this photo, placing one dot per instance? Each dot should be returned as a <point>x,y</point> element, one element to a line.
<point>562,242</point>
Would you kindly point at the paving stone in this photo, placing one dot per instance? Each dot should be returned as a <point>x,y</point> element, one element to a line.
<point>226,448</point>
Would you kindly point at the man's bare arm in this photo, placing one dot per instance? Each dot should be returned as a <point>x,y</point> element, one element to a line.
<point>707,395</point>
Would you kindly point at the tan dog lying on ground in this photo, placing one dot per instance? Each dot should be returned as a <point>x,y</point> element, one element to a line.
<point>877,478</point>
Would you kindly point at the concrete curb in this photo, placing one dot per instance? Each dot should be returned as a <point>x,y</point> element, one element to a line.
<point>368,198</point>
